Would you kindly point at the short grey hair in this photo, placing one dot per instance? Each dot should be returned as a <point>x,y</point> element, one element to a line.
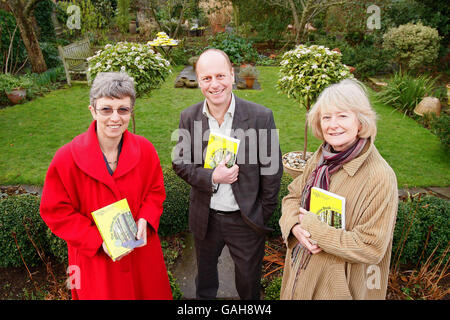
<point>347,95</point>
<point>112,85</point>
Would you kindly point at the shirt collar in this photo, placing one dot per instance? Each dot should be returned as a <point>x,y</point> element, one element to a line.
<point>230,110</point>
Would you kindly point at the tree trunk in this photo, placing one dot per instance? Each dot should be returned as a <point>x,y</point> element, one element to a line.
<point>28,34</point>
<point>295,15</point>
<point>306,129</point>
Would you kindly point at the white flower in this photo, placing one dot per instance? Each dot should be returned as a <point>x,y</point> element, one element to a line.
<point>307,88</point>
<point>122,68</point>
<point>314,66</point>
<point>343,73</point>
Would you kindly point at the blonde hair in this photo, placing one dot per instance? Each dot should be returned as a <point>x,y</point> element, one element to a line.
<point>347,95</point>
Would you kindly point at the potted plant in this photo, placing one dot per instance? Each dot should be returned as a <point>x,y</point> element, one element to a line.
<point>249,74</point>
<point>305,72</point>
<point>193,61</point>
<point>15,87</point>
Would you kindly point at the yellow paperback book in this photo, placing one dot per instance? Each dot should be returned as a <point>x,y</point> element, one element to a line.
<point>117,228</point>
<point>329,206</point>
<point>219,147</point>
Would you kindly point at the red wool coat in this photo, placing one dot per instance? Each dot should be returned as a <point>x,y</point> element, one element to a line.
<point>78,183</point>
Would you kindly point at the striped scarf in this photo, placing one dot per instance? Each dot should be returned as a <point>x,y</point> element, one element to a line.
<point>328,164</point>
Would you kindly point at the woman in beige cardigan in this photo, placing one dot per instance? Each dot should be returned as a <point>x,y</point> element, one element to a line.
<point>323,262</point>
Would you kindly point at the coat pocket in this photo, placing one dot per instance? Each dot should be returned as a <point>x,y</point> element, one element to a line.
<point>333,285</point>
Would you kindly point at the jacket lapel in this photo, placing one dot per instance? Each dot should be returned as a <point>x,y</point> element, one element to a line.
<point>240,116</point>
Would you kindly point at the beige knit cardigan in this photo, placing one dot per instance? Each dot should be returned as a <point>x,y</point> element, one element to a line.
<point>354,263</point>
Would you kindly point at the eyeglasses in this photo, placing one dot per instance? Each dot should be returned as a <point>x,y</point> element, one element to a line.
<point>107,111</point>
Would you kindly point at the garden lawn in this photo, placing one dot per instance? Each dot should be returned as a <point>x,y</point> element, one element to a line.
<point>31,133</point>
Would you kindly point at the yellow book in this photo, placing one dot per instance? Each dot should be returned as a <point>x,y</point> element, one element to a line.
<point>329,206</point>
<point>219,147</point>
<point>117,228</point>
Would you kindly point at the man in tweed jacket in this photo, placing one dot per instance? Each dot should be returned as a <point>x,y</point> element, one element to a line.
<point>228,205</point>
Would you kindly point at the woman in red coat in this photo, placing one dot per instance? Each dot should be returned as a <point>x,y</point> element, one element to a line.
<point>101,166</point>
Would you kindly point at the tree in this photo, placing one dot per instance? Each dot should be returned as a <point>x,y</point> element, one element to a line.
<point>304,11</point>
<point>306,71</point>
<point>23,13</point>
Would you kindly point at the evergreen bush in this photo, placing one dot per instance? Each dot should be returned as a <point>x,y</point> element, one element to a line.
<point>19,214</point>
<point>176,206</point>
<point>440,126</point>
<point>413,45</point>
<point>428,221</point>
<point>272,291</point>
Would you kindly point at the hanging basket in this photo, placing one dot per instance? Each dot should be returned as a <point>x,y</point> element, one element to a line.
<point>293,163</point>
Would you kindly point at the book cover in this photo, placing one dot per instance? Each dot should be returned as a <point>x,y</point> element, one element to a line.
<point>219,147</point>
<point>329,206</point>
<point>117,228</point>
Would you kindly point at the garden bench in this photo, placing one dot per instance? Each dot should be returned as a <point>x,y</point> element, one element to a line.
<point>74,57</point>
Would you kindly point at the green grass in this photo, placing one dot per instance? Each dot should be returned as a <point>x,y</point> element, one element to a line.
<point>31,133</point>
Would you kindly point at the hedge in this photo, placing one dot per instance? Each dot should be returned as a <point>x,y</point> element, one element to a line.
<point>425,217</point>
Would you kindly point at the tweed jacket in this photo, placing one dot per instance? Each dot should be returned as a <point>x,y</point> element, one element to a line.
<point>354,263</point>
<point>259,161</point>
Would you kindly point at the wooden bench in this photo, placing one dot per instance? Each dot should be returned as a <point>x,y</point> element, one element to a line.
<point>74,57</point>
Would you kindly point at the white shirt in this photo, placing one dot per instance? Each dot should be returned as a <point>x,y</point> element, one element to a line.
<point>223,199</point>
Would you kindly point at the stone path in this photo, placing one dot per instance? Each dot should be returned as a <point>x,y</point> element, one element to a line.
<point>186,271</point>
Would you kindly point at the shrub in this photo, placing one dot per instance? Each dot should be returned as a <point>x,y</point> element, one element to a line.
<point>176,206</point>
<point>177,294</point>
<point>147,68</point>
<point>306,71</point>
<point>238,49</point>
<point>404,91</point>
<point>272,291</point>
<point>368,60</point>
<point>428,218</point>
<point>273,221</point>
<point>413,45</point>
<point>19,215</point>
<point>9,82</point>
<point>440,126</point>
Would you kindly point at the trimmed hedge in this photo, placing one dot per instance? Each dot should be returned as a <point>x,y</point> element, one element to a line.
<point>19,215</point>
<point>426,216</point>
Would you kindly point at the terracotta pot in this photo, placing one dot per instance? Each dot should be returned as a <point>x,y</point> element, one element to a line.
<point>249,82</point>
<point>16,95</point>
<point>216,28</point>
<point>133,27</point>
